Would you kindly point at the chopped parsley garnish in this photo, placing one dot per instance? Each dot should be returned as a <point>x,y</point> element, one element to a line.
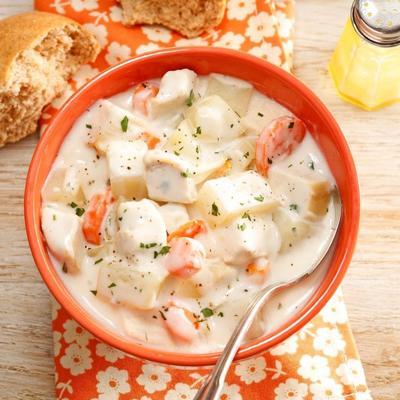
<point>220,314</point>
<point>198,132</point>
<point>293,207</point>
<point>259,197</point>
<point>54,217</point>
<point>231,125</point>
<point>184,174</point>
<point>311,165</point>
<point>190,99</point>
<point>246,215</point>
<point>124,124</point>
<point>197,149</point>
<point>207,312</point>
<point>294,229</point>
<point>214,210</point>
<point>79,211</point>
<point>164,250</point>
<point>260,114</point>
<point>73,205</point>
<point>111,285</point>
<point>98,261</point>
<point>147,245</point>
<point>176,153</point>
<point>242,227</point>
<point>291,125</point>
<point>89,126</point>
<point>94,292</point>
<point>245,155</point>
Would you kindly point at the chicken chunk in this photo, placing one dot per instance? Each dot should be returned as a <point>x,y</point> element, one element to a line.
<point>169,178</point>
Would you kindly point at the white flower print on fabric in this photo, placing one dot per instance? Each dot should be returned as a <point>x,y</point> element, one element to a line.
<point>58,6</point>
<point>351,372</point>
<point>54,305</point>
<point>81,5</point>
<point>181,392</point>
<point>327,389</point>
<point>268,52</point>
<point>117,52</point>
<point>260,26</point>
<point>191,42</point>
<point>145,48</point>
<point>116,13</point>
<point>314,368</point>
<point>289,346</point>
<point>329,341</point>
<point>100,32</point>
<point>84,74</point>
<point>76,359</point>
<point>334,312</point>
<point>109,353</point>
<point>157,33</point>
<point>252,370</point>
<point>240,9</point>
<point>363,395</point>
<point>231,392</point>
<point>154,378</point>
<point>56,342</point>
<point>75,333</point>
<point>65,95</point>
<point>112,382</point>
<point>291,389</point>
<point>285,24</point>
<point>229,40</point>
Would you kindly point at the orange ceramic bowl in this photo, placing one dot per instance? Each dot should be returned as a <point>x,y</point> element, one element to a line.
<point>268,79</point>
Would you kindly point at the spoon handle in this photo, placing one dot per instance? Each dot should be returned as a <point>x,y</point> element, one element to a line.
<point>212,387</point>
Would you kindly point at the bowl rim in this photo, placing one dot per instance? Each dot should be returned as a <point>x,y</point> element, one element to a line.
<point>89,322</point>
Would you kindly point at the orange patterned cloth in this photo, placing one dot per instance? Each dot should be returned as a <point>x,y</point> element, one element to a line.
<point>318,363</point>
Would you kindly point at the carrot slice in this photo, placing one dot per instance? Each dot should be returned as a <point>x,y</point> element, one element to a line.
<point>278,140</point>
<point>94,216</point>
<point>142,93</point>
<point>259,267</point>
<point>179,322</point>
<point>190,229</point>
<point>151,140</point>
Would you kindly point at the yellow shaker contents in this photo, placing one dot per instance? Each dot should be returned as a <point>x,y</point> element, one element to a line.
<point>365,74</point>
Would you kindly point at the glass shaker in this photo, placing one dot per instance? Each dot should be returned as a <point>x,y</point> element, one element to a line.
<point>365,66</point>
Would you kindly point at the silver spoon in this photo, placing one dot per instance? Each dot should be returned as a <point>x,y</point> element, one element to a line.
<point>212,387</point>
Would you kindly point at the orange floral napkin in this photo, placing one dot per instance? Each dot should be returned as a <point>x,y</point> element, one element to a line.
<point>318,363</point>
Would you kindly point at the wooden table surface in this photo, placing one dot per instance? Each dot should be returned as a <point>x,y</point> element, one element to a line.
<point>372,285</point>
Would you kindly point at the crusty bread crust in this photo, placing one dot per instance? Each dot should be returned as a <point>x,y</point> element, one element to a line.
<point>22,31</point>
<point>188,17</point>
<point>38,54</point>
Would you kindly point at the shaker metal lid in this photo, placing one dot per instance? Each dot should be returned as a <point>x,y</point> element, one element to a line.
<point>378,21</point>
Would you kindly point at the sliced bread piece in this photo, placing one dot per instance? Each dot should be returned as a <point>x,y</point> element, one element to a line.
<point>188,17</point>
<point>39,52</point>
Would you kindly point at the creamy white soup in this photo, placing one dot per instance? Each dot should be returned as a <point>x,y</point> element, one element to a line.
<point>171,204</point>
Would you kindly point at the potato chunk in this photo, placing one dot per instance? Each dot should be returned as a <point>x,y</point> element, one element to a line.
<point>214,120</point>
<point>234,91</point>
<point>168,178</point>
<point>222,199</point>
<point>125,164</point>
<point>133,286</point>
<point>175,89</point>
<point>307,196</point>
<point>110,122</point>
<point>62,184</point>
<point>247,238</point>
<point>174,215</point>
<point>63,232</point>
<point>141,227</point>
<point>291,226</point>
